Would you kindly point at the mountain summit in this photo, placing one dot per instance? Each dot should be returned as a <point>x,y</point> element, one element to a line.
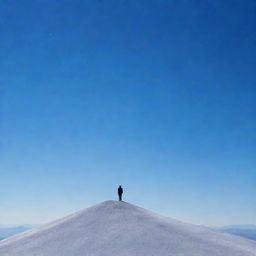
<point>115,228</point>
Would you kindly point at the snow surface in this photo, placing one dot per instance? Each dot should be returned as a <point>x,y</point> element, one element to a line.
<point>115,228</point>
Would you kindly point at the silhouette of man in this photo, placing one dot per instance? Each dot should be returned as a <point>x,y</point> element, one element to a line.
<point>120,192</point>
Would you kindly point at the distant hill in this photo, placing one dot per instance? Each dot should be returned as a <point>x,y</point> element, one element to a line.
<point>247,231</point>
<point>10,230</point>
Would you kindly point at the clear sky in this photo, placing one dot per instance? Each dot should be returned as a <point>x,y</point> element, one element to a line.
<point>159,96</point>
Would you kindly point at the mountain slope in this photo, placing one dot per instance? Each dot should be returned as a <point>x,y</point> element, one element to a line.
<point>117,228</point>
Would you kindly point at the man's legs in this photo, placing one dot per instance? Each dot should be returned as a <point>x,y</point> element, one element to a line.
<point>120,197</point>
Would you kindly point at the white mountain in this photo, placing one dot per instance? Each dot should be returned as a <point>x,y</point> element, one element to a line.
<point>116,228</point>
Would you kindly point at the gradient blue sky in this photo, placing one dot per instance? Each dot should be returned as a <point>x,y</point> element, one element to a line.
<point>158,96</point>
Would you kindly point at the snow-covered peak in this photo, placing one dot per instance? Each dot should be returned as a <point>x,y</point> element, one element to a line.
<point>118,228</point>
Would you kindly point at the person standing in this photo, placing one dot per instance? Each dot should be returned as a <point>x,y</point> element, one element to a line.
<point>120,192</point>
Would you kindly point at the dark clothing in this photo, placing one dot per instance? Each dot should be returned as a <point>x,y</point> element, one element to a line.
<point>120,192</point>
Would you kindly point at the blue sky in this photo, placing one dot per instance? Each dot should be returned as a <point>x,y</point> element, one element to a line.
<point>158,96</point>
